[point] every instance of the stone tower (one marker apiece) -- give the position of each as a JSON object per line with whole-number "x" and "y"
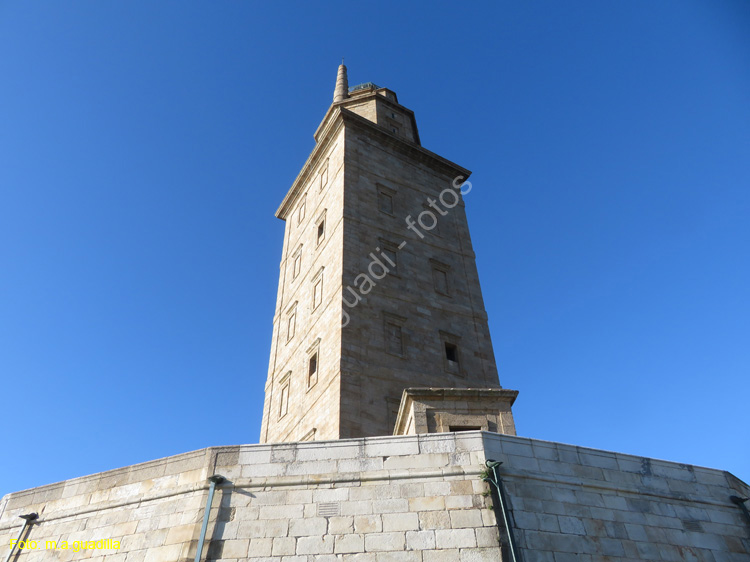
{"x": 378, "y": 287}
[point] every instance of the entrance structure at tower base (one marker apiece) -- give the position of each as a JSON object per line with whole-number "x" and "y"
{"x": 439, "y": 410}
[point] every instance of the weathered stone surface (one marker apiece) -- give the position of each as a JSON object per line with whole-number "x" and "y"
{"x": 315, "y": 545}
{"x": 375, "y": 542}
{"x": 284, "y": 546}
{"x": 349, "y": 544}
{"x": 455, "y": 538}
{"x": 400, "y": 522}
{"x": 420, "y": 540}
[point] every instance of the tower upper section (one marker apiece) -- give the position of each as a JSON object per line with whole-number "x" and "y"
{"x": 379, "y": 105}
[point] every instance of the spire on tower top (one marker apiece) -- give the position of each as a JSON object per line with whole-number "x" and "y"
{"x": 342, "y": 84}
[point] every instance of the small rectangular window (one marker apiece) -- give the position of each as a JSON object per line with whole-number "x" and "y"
{"x": 394, "y": 342}
{"x": 297, "y": 262}
{"x": 313, "y": 363}
{"x": 386, "y": 199}
{"x": 312, "y": 370}
{"x": 440, "y": 279}
{"x": 451, "y": 353}
{"x": 301, "y": 210}
{"x": 284, "y": 399}
{"x": 394, "y": 130}
{"x": 320, "y": 227}
{"x": 324, "y": 176}
{"x": 291, "y": 324}
{"x": 385, "y": 202}
{"x": 391, "y": 257}
{"x": 317, "y": 291}
{"x": 388, "y": 256}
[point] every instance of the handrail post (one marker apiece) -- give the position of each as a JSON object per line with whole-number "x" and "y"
{"x": 740, "y": 502}
{"x": 27, "y": 520}
{"x": 214, "y": 480}
{"x": 498, "y": 494}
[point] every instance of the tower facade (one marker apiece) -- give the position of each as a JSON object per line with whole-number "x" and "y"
{"x": 378, "y": 286}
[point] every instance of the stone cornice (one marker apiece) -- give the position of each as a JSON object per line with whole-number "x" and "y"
{"x": 475, "y": 393}
{"x": 338, "y": 116}
{"x": 414, "y": 150}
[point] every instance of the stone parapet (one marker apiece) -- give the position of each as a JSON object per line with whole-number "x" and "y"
{"x": 414, "y": 497}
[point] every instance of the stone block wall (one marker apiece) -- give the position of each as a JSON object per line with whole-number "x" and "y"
{"x": 575, "y": 504}
{"x": 414, "y": 498}
{"x": 153, "y": 509}
{"x": 410, "y": 498}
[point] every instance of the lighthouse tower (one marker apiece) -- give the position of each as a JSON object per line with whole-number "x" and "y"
{"x": 380, "y": 324}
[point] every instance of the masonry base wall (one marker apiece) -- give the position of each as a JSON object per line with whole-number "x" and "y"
{"x": 405, "y": 498}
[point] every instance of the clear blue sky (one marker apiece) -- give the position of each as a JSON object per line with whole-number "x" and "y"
{"x": 144, "y": 147}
